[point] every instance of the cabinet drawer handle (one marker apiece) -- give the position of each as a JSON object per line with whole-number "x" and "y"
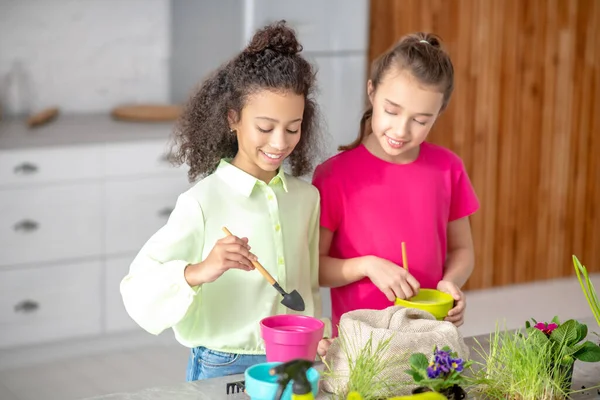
{"x": 26, "y": 169}
{"x": 26, "y": 226}
{"x": 27, "y": 306}
{"x": 165, "y": 212}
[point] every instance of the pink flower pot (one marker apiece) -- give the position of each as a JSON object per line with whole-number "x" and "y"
{"x": 289, "y": 337}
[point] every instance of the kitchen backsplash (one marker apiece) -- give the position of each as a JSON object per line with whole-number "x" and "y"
{"x": 83, "y": 55}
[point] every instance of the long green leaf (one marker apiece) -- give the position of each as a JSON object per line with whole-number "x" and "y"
{"x": 588, "y": 289}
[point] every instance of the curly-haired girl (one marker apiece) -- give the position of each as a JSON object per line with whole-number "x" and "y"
{"x": 253, "y": 113}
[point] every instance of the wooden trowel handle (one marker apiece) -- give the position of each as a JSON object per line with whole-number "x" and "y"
{"x": 264, "y": 272}
{"x": 256, "y": 264}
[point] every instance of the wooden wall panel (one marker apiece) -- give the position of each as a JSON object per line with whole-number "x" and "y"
{"x": 525, "y": 118}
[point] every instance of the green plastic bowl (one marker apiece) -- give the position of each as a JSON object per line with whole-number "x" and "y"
{"x": 433, "y": 301}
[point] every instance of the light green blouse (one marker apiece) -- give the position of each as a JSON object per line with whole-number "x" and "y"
{"x": 281, "y": 221}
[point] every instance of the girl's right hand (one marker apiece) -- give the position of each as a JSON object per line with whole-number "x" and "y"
{"x": 229, "y": 252}
{"x": 393, "y": 280}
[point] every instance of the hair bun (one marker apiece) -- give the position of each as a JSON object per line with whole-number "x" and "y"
{"x": 276, "y": 37}
{"x": 434, "y": 40}
{"x": 429, "y": 38}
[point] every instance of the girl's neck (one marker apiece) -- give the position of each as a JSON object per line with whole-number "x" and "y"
{"x": 249, "y": 167}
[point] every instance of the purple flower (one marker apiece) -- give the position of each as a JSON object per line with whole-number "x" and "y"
{"x": 443, "y": 364}
{"x": 458, "y": 364}
{"x": 433, "y": 371}
{"x": 441, "y": 356}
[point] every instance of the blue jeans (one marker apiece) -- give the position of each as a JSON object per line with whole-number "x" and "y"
{"x": 205, "y": 363}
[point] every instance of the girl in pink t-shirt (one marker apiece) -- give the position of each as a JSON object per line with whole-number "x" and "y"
{"x": 390, "y": 186}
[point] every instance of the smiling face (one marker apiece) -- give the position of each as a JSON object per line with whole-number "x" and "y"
{"x": 403, "y": 113}
{"x": 267, "y": 132}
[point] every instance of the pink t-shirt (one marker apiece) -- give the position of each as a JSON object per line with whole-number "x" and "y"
{"x": 372, "y": 206}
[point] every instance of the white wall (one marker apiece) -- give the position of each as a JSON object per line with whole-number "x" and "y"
{"x": 86, "y": 55}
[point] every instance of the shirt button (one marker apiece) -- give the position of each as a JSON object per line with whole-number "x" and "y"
{"x": 270, "y": 197}
{"x": 280, "y": 261}
{"x": 277, "y": 227}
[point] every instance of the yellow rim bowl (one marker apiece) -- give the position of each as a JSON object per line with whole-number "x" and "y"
{"x": 430, "y": 300}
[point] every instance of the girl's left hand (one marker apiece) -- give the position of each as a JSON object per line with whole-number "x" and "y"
{"x": 457, "y": 314}
{"x": 324, "y": 346}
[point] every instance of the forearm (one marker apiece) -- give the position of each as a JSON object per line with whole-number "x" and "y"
{"x": 459, "y": 266}
{"x": 335, "y": 272}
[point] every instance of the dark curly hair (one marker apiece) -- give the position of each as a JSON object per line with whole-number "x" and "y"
{"x": 271, "y": 61}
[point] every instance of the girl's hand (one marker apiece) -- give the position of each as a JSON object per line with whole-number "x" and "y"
{"x": 324, "y": 345}
{"x": 393, "y": 280}
{"x": 457, "y": 314}
{"x": 229, "y": 252}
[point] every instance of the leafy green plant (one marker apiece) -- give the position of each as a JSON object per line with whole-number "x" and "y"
{"x": 588, "y": 288}
{"x": 566, "y": 341}
{"x": 441, "y": 372}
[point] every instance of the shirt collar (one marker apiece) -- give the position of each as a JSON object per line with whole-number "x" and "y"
{"x": 242, "y": 181}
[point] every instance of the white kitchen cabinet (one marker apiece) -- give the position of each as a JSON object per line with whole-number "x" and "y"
{"x": 49, "y": 165}
{"x": 78, "y": 199}
{"x": 43, "y": 224}
{"x": 139, "y": 158}
{"x": 49, "y": 302}
{"x": 136, "y": 210}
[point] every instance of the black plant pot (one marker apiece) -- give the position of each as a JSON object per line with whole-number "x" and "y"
{"x": 453, "y": 393}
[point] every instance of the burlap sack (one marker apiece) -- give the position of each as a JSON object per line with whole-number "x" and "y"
{"x": 409, "y": 330}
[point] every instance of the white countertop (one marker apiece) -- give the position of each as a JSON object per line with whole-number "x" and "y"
{"x": 81, "y": 129}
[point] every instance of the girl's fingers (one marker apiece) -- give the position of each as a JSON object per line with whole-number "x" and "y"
{"x": 391, "y": 295}
{"x": 458, "y": 309}
{"x": 453, "y": 317}
{"x": 235, "y": 240}
{"x": 454, "y": 292}
{"x": 460, "y": 306}
{"x": 239, "y": 249}
{"x": 240, "y": 259}
{"x": 408, "y": 292}
{"x": 414, "y": 284}
{"x": 399, "y": 292}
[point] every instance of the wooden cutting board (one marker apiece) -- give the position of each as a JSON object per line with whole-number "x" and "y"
{"x": 147, "y": 113}
{"x": 42, "y": 117}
